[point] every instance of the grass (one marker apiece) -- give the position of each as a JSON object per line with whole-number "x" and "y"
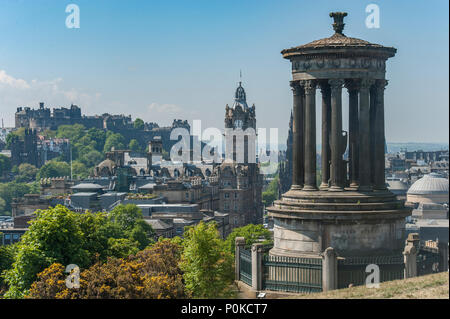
{"x": 433, "y": 286}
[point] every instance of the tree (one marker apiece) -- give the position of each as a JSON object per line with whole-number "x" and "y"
{"x": 54, "y": 169}
{"x": 271, "y": 193}
{"x": 5, "y": 165}
{"x": 115, "y": 140}
{"x": 138, "y": 124}
{"x": 152, "y": 274}
{"x": 7, "y": 253}
{"x": 26, "y": 173}
{"x": 14, "y": 136}
{"x": 98, "y": 136}
{"x": 252, "y": 234}
{"x": 134, "y": 146}
{"x": 9, "y": 191}
{"x": 91, "y": 158}
{"x": 130, "y": 219}
{"x": 72, "y": 132}
{"x": 206, "y": 263}
{"x": 79, "y": 170}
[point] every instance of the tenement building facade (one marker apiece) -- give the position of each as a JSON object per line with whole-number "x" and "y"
{"x": 351, "y": 210}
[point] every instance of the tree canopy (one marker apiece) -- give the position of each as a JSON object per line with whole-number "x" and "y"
{"x": 58, "y": 235}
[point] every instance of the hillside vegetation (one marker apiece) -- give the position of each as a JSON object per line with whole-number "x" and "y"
{"x": 433, "y": 286}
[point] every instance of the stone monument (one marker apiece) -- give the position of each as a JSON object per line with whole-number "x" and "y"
{"x": 351, "y": 210}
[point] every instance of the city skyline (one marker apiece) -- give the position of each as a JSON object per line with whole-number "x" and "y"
{"x": 157, "y": 61}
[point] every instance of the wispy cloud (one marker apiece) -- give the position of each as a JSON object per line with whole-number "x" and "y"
{"x": 16, "y": 92}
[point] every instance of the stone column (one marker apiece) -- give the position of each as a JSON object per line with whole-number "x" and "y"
{"x": 257, "y": 253}
{"x": 239, "y": 244}
{"x": 297, "y": 127}
{"x": 353, "y": 131}
{"x": 337, "y": 184}
{"x": 326, "y": 128}
{"x": 329, "y": 270}
{"x": 310, "y": 135}
{"x": 379, "y": 165}
{"x": 364, "y": 135}
{"x": 373, "y": 128}
{"x": 410, "y": 259}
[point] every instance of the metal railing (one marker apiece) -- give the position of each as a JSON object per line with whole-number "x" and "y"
{"x": 292, "y": 274}
{"x": 245, "y": 271}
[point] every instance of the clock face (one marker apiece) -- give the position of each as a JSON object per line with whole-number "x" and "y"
{"x": 238, "y": 123}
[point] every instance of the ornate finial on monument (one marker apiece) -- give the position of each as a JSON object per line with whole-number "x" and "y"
{"x": 338, "y": 24}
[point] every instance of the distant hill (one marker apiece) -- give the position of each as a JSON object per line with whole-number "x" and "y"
{"x": 411, "y": 146}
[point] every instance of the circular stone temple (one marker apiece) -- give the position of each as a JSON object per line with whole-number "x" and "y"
{"x": 351, "y": 210}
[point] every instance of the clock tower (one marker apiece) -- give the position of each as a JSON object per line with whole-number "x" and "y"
{"x": 240, "y": 129}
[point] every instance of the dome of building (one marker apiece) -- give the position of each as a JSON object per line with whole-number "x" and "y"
{"x": 430, "y": 188}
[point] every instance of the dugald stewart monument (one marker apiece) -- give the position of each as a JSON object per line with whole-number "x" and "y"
{"x": 351, "y": 211}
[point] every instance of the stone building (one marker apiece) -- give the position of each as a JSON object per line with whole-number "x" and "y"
{"x": 351, "y": 210}
{"x": 25, "y": 150}
{"x": 44, "y": 118}
{"x": 432, "y": 188}
{"x": 240, "y": 180}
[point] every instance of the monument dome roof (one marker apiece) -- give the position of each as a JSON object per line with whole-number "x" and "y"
{"x": 430, "y": 184}
{"x": 338, "y": 41}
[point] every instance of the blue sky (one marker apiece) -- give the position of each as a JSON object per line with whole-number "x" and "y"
{"x": 160, "y": 60}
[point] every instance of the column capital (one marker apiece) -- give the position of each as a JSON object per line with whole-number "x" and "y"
{"x": 296, "y": 88}
{"x": 381, "y": 84}
{"x": 365, "y": 84}
{"x": 336, "y": 84}
{"x": 309, "y": 86}
{"x": 352, "y": 85}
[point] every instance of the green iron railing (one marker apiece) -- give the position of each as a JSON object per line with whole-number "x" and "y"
{"x": 245, "y": 269}
{"x": 292, "y": 274}
{"x": 352, "y": 270}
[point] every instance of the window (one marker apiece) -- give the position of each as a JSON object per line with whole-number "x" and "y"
{"x": 226, "y": 206}
{"x": 235, "y": 195}
{"x": 226, "y": 195}
{"x": 187, "y": 195}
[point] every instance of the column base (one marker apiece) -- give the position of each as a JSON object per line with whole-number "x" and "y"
{"x": 335, "y": 188}
{"x": 309, "y": 188}
{"x": 365, "y": 188}
{"x": 323, "y": 186}
{"x": 296, "y": 187}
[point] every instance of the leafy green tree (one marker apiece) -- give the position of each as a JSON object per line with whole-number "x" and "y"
{"x": 79, "y": 170}
{"x": 134, "y": 146}
{"x": 72, "y": 132}
{"x": 206, "y": 263}
{"x": 252, "y": 234}
{"x": 98, "y": 136}
{"x": 3, "y": 207}
{"x": 9, "y": 191}
{"x": 271, "y": 193}
{"x": 58, "y": 235}
{"x": 5, "y": 165}
{"x": 138, "y": 124}
{"x": 129, "y": 218}
{"x": 54, "y": 236}
{"x": 91, "y": 158}
{"x": 115, "y": 140}
{"x": 26, "y": 173}
{"x": 54, "y": 169}
{"x": 14, "y": 136}
{"x": 7, "y": 253}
